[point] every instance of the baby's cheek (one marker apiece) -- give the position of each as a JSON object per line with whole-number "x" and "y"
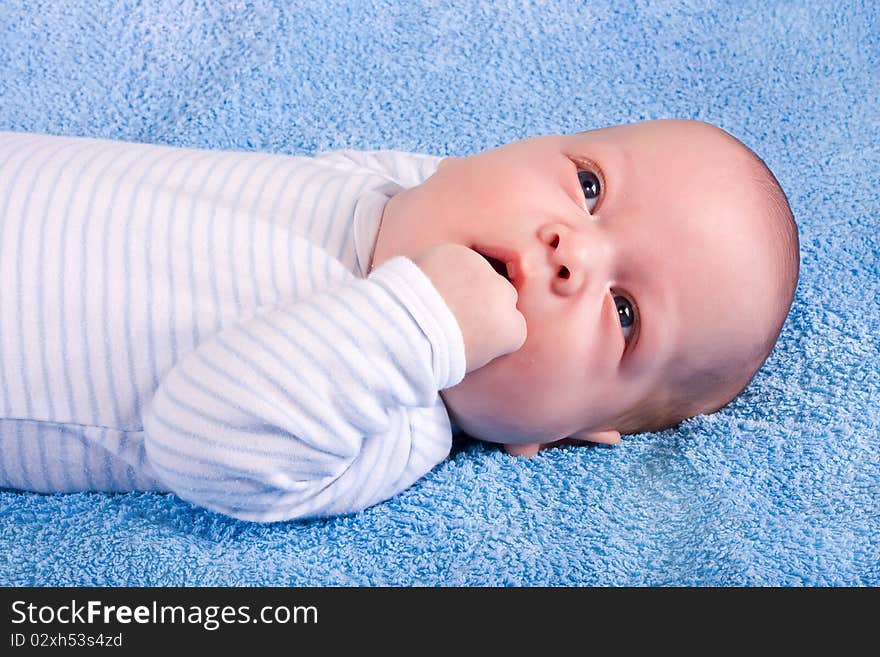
{"x": 549, "y": 360}
{"x": 588, "y": 356}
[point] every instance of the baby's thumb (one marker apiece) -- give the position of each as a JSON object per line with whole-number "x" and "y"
{"x": 521, "y": 331}
{"x": 507, "y": 336}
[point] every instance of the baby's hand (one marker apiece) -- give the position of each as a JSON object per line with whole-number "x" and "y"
{"x": 528, "y": 451}
{"x": 483, "y": 301}
{"x": 588, "y": 438}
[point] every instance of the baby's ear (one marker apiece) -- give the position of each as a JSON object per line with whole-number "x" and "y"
{"x": 603, "y": 437}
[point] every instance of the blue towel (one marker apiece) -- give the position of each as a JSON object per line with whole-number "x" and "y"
{"x": 780, "y": 488}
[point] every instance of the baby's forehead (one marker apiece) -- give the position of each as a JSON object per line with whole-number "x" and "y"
{"x": 669, "y": 147}
{"x": 692, "y": 180}
{"x": 671, "y": 130}
{"x": 723, "y": 277}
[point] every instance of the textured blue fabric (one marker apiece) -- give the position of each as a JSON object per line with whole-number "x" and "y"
{"x": 780, "y": 488}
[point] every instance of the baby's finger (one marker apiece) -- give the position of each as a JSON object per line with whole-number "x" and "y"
{"x": 521, "y": 330}
{"x": 526, "y": 451}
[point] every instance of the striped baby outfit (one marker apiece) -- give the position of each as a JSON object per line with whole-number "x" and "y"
{"x": 202, "y": 322}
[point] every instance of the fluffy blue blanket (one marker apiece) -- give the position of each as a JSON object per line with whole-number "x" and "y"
{"x": 780, "y": 488}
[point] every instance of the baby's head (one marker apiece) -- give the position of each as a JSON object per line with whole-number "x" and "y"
{"x": 655, "y": 265}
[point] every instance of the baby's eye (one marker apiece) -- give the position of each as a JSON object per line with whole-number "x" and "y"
{"x": 592, "y": 188}
{"x": 627, "y": 314}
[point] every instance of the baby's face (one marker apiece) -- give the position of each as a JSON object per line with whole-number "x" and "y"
{"x": 638, "y": 253}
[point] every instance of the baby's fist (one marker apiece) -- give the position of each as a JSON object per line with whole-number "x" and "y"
{"x": 483, "y": 301}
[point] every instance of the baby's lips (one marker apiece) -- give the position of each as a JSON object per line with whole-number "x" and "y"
{"x": 501, "y": 255}
{"x": 514, "y": 272}
{"x": 522, "y": 269}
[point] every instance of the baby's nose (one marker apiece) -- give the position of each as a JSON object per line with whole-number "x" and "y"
{"x": 573, "y": 260}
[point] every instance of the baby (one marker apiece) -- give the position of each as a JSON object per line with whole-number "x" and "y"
{"x": 276, "y": 337}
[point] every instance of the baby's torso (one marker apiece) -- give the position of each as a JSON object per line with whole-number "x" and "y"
{"x": 116, "y": 260}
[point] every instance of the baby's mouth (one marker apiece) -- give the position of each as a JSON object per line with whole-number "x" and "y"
{"x": 497, "y": 265}
{"x": 504, "y": 260}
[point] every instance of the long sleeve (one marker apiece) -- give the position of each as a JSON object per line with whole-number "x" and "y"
{"x": 325, "y": 405}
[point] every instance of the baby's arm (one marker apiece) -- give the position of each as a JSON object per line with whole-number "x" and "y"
{"x": 302, "y": 412}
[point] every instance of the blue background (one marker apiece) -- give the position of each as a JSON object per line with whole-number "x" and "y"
{"x": 780, "y": 488}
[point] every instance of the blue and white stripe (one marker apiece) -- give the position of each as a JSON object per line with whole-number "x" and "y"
{"x": 201, "y": 322}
